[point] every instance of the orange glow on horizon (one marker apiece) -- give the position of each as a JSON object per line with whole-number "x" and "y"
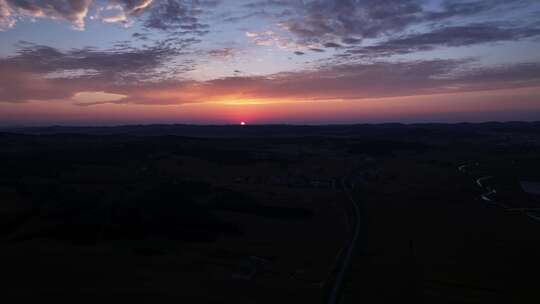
{"x": 441, "y": 107}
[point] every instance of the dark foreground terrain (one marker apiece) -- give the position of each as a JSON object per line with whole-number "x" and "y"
{"x": 272, "y": 214}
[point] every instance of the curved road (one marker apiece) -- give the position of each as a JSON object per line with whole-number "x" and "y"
{"x": 346, "y": 261}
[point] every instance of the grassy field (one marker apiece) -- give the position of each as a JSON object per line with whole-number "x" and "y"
{"x": 259, "y": 216}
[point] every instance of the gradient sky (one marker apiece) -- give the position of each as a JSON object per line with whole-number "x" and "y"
{"x": 85, "y": 62}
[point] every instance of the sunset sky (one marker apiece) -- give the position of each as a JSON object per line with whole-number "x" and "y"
{"x": 106, "y": 62}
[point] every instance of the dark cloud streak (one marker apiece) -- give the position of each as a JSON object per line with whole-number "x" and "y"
{"x": 27, "y": 75}
{"x": 127, "y": 72}
{"x": 453, "y": 36}
{"x": 352, "y": 21}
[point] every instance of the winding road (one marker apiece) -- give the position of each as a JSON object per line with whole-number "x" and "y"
{"x": 345, "y": 262}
